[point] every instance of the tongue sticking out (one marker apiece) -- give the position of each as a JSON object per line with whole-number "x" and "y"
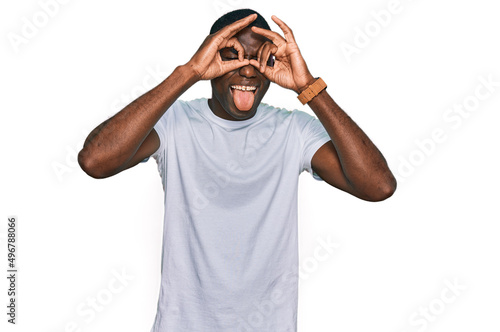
{"x": 243, "y": 99}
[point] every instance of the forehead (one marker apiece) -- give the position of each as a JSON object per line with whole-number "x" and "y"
{"x": 250, "y": 40}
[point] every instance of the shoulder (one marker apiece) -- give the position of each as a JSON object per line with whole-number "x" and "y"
{"x": 280, "y": 111}
{"x": 182, "y": 109}
{"x": 268, "y": 111}
{"x": 295, "y": 116}
{"x": 295, "y": 120}
{"x": 195, "y": 104}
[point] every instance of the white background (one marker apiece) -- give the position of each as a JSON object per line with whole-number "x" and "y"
{"x": 395, "y": 258}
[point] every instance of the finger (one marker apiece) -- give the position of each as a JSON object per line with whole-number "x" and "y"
{"x": 234, "y": 43}
{"x": 265, "y": 53}
{"x": 233, "y": 28}
{"x": 228, "y": 66}
{"x": 286, "y": 30}
{"x": 267, "y": 72}
{"x": 275, "y": 37}
{"x": 259, "y": 55}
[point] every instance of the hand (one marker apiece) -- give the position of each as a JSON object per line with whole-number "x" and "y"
{"x": 289, "y": 70}
{"x": 207, "y": 63}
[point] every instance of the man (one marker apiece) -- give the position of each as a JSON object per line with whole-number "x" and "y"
{"x": 229, "y": 167}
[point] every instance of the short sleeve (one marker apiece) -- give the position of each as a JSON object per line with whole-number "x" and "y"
{"x": 162, "y": 129}
{"x": 313, "y": 136}
{"x": 159, "y": 127}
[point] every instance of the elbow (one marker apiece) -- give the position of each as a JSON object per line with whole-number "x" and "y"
{"x": 386, "y": 192}
{"x": 383, "y": 190}
{"x": 376, "y": 190}
{"x": 90, "y": 165}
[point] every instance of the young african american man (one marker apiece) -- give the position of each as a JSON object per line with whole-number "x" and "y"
{"x": 229, "y": 167}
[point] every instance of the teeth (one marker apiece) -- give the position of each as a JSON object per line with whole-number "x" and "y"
{"x": 243, "y": 87}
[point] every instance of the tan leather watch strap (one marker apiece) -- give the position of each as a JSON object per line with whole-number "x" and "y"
{"x": 312, "y": 91}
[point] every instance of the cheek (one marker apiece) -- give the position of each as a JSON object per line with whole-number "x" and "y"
{"x": 223, "y": 94}
{"x": 265, "y": 87}
{"x": 218, "y": 88}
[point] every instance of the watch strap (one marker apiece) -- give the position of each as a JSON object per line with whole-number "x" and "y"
{"x": 312, "y": 91}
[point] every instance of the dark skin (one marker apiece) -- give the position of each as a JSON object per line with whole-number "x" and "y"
{"x": 222, "y": 103}
{"x": 350, "y": 161}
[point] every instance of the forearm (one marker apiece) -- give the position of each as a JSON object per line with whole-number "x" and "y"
{"x": 363, "y": 165}
{"x": 353, "y": 163}
{"x": 116, "y": 140}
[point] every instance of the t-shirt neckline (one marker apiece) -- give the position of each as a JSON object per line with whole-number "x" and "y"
{"x": 224, "y": 122}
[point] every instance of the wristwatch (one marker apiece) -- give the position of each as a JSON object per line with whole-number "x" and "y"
{"x": 312, "y": 91}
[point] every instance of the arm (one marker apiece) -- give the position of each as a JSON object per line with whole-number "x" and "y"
{"x": 350, "y": 161}
{"x": 128, "y": 137}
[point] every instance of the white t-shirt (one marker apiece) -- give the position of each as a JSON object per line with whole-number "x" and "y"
{"x": 230, "y": 251}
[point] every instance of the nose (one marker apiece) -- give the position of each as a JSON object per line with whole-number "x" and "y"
{"x": 249, "y": 70}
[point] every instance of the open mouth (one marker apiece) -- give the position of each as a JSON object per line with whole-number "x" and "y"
{"x": 243, "y": 96}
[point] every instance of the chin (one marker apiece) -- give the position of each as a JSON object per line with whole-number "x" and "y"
{"x": 238, "y": 114}
{"x": 241, "y": 115}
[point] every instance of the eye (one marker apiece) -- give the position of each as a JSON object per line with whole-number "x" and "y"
{"x": 270, "y": 61}
{"x": 228, "y": 54}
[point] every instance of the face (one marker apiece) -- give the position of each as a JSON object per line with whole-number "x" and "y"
{"x": 237, "y": 94}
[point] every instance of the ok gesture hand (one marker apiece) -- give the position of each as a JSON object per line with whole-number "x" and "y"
{"x": 207, "y": 62}
{"x": 290, "y": 70}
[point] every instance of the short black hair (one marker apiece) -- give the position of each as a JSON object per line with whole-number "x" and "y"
{"x": 236, "y": 15}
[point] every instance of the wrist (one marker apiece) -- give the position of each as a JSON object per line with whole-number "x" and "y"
{"x": 189, "y": 72}
{"x": 181, "y": 79}
{"x": 306, "y": 83}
